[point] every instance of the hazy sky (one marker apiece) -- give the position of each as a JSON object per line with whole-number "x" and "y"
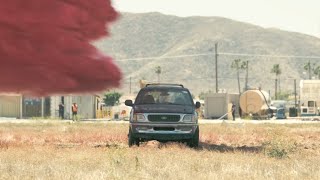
{"x": 292, "y": 15}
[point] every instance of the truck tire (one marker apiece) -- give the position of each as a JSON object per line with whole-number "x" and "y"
{"x": 194, "y": 141}
{"x": 132, "y": 140}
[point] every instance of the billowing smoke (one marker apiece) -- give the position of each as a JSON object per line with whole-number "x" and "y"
{"x": 45, "y": 46}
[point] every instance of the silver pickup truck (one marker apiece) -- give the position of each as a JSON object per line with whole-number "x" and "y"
{"x": 163, "y": 112}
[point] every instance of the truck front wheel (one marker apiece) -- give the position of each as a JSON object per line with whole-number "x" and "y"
{"x": 132, "y": 140}
{"x": 194, "y": 141}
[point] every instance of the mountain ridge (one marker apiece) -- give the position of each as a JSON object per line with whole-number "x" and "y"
{"x": 156, "y": 35}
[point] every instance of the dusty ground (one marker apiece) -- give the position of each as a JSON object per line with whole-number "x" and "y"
{"x": 51, "y": 150}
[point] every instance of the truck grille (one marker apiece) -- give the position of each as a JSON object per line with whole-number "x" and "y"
{"x": 164, "y": 128}
{"x": 164, "y": 118}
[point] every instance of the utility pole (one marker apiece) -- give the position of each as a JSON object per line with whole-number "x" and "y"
{"x": 216, "y": 62}
{"x": 21, "y": 106}
{"x": 275, "y": 92}
{"x": 130, "y": 85}
{"x": 246, "y": 84}
{"x": 42, "y": 106}
{"x": 295, "y": 94}
{"x": 309, "y": 68}
{"x": 279, "y": 85}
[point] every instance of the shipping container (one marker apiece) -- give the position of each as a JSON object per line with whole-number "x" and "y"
{"x": 218, "y": 105}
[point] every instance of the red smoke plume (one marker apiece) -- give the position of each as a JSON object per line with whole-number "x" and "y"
{"x": 45, "y": 46}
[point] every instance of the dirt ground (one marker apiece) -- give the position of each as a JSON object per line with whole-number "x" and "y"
{"x": 99, "y": 150}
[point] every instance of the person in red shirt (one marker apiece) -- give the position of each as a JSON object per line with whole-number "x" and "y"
{"x": 74, "y": 109}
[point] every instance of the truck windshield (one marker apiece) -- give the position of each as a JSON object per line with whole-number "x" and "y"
{"x": 164, "y": 96}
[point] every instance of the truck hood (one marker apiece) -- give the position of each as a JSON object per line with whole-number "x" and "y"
{"x": 151, "y": 108}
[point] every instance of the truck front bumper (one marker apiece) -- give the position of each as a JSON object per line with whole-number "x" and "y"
{"x": 152, "y": 131}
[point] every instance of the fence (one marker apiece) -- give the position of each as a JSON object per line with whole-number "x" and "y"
{"x": 112, "y": 113}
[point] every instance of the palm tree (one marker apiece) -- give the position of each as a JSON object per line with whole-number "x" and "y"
{"x": 158, "y": 72}
{"x": 316, "y": 71}
{"x": 238, "y": 65}
{"x": 309, "y": 67}
{"x": 245, "y": 65}
{"x": 277, "y": 71}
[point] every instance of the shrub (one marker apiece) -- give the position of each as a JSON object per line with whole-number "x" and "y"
{"x": 278, "y": 145}
{"x": 110, "y": 99}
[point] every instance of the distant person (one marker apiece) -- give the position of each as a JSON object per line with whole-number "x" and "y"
{"x": 233, "y": 111}
{"x": 61, "y": 111}
{"x": 74, "y": 109}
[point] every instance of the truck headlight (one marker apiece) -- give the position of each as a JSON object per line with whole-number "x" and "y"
{"x": 139, "y": 118}
{"x": 188, "y": 118}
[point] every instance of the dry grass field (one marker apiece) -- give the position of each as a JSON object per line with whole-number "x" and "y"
{"x": 100, "y": 151}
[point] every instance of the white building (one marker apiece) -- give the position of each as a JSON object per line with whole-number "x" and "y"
{"x": 87, "y": 106}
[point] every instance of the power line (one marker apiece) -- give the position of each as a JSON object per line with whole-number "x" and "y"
{"x": 222, "y": 53}
{"x": 268, "y": 55}
{"x": 166, "y": 57}
{"x": 127, "y": 81}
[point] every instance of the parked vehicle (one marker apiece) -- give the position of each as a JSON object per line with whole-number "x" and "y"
{"x": 163, "y": 112}
{"x": 281, "y": 113}
{"x": 309, "y": 97}
{"x": 310, "y": 109}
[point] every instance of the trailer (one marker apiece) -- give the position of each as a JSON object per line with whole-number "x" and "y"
{"x": 309, "y": 97}
{"x": 255, "y": 103}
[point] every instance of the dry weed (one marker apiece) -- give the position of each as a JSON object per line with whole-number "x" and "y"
{"x": 100, "y": 151}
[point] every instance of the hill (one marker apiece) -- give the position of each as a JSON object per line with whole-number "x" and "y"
{"x": 159, "y": 36}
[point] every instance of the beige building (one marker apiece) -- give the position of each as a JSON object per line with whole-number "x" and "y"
{"x": 18, "y": 106}
{"x": 11, "y": 105}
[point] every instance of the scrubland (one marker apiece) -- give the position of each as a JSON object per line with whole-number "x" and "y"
{"x": 100, "y": 151}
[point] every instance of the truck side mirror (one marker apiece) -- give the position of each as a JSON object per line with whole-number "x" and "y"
{"x": 198, "y": 105}
{"x": 128, "y": 103}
